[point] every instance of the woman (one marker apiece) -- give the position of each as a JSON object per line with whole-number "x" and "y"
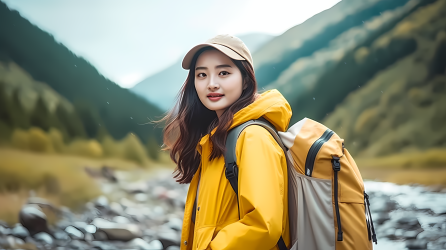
{"x": 220, "y": 93}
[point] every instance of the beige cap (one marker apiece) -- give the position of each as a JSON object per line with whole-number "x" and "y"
{"x": 228, "y": 44}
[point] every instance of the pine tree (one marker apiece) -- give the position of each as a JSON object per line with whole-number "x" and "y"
{"x": 70, "y": 123}
{"x": 41, "y": 116}
{"x": 19, "y": 116}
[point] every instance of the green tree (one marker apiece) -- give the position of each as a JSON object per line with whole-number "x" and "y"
{"x": 89, "y": 117}
{"x": 70, "y": 123}
{"x": 19, "y": 117}
{"x": 41, "y": 116}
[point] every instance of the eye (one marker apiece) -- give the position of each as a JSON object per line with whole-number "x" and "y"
{"x": 199, "y": 74}
{"x": 225, "y": 72}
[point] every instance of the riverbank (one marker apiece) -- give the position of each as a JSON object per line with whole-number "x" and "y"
{"x": 64, "y": 180}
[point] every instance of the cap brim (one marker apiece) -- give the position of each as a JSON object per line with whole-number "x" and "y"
{"x": 229, "y": 52}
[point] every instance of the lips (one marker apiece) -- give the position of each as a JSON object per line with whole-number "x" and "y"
{"x": 215, "y": 96}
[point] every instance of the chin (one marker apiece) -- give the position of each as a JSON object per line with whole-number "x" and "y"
{"x": 215, "y": 107}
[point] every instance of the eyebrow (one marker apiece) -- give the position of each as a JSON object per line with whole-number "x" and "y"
{"x": 218, "y": 66}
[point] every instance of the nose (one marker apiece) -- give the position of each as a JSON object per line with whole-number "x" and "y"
{"x": 213, "y": 85}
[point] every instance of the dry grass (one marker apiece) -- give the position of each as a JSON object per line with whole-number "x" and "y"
{"x": 432, "y": 158}
{"x": 426, "y": 168}
{"x": 61, "y": 179}
{"x": 428, "y": 177}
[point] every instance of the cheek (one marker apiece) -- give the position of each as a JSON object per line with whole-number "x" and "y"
{"x": 199, "y": 88}
{"x": 236, "y": 87}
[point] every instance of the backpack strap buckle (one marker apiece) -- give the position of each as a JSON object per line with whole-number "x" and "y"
{"x": 231, "y": 170}
{"x": 336, "y": 164}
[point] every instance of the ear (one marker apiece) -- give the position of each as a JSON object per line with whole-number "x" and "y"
{"x": 244, "y": 85}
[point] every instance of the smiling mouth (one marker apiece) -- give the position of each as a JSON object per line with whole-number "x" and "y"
{"x": 215, "y": 95}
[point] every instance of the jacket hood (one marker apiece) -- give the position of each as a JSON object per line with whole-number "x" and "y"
{"x": 271, "y": 105}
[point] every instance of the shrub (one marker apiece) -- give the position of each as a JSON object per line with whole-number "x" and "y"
{"x": 111, "y": 147}
{"x": 39, "y": 141}
{"x": 56, "y": 138}
{"x": 153, "y": 148}
{"x": 19, "y": 139}
{"x": 88, "y": 148}
{"x": 133, "y": 149}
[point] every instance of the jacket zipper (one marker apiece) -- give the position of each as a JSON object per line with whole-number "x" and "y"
{"x": 314, "y": 149}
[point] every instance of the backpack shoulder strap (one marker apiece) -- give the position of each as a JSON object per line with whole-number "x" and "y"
{"x": 231, "y": 169}
{"x": 231, "y": 139}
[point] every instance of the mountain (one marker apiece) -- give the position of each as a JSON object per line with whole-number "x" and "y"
{"x": 25, "y": 102}
{"x": 162, "y": 87}
{"x": 316, "y": 83}
{"x": 101, "y": 104}
{"x": 314, "y": 34}
{"x": 402, "y": 108}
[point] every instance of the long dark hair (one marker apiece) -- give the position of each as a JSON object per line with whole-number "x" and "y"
{"x": 189, "y": 120}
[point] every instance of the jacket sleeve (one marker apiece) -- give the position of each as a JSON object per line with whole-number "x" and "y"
{"x": 261, "y": 190}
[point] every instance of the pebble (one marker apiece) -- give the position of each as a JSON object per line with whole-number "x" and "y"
{"x": 44, "y": 238}
{"x": 74, "y": 233}
{"x": 20, "y": 231}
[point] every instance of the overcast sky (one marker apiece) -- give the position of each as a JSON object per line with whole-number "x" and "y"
{"x": 128, "y": 40}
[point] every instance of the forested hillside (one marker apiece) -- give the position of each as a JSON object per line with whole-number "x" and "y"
{"x": 403, "y": 107}
{"x": 98, "y": 103}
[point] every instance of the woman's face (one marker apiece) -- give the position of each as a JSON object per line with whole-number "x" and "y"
{"x": 218, "y": 81}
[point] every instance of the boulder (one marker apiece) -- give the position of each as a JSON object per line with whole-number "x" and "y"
{"x": 117, "y": 231}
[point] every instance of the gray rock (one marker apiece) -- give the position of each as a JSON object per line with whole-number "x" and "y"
{"x": 101, "y": 202}
{"x": 411, "y": 234}
{"x": 408, "y": 223}
{"x": 139, "y": 243}
{"x": 44, "y": 238}
{"x": 141, "y": 197}
{"x": 116, "y": 208}
{"x": 4, "y": 230}
{"x": 416, "y": 244}
{"x": 175, "y": 223}
{"x": 33, "y": 219}
{"x": 109, "y": 174}
{"x": 100, "y": 235}
{"x": 381, "y": 218}
{"x": 441, "y": 240}
{"x": 115, "y": 231}
{"x": 102, "y": 245}
{"x": 80, "y": 225}
{"x": 30, "y": 240}
{"x": 11, "y": 242}
{"x": 20, "y": 232}
{"x": 168, "y": 236}
{"x": 384, "y": 204}
{"x": 121, "y": 219}
{"x": 430, "y": 235}
{"x": 173, "y": 248}
{"x": 88, "y": 237}
{"x": 399, "y": 232}
{"x": 76, "y": 244}
{"x": 61, "y": 235}
{"x": 74, "y": 233}
{"x": 156, "y": 244}
{"x": 389, "y": 233}
{"x": 90, "y": 229}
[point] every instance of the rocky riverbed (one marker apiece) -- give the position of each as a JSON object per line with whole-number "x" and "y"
{"x": 147, "y": 214}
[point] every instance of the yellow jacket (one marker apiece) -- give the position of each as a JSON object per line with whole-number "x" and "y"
{"x": 262, "y": 185}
